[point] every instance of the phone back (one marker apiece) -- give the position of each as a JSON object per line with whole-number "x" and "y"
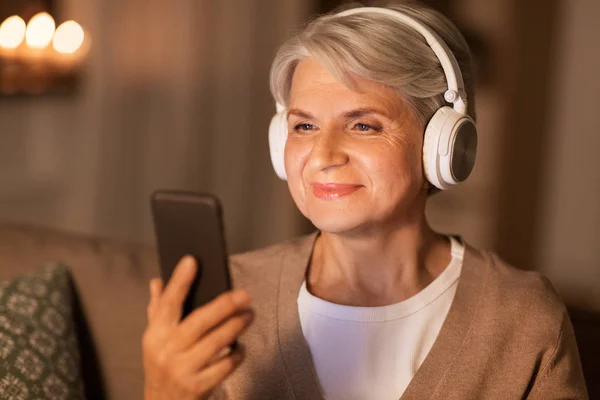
{"x": 187, "y": 223}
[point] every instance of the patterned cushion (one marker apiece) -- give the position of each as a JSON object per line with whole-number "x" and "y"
{"x": 39, "y": 354}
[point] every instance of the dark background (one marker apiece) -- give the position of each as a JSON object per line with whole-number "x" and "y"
{"x": 26, "y": 8}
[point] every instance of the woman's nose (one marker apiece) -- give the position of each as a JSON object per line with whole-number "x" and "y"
{"x": 327, "y": 150}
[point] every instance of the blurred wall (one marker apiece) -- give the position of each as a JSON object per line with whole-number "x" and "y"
{"x": 470, "y": 209}
{"x": 175, "y": 95}
{"x": 534, "y": 196}
{"x": 569, "y": 228}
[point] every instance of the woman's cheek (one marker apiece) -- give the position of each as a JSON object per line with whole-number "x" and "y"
{"x": 290, "y": 160}
{"x": 394, "y": 167}
{"x": 295, "y": 157}
{"x": 293, "y": 168}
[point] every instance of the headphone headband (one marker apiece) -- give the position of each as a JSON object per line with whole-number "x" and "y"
{"x": 456, "y": 93}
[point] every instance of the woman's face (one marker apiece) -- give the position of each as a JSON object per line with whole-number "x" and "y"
{"x": 353, "y": 156}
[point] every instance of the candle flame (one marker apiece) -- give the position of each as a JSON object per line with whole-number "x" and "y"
{"x": 12, "y": 32}
{"x": 40, "y": 30}
{"x": 68, "y": 37}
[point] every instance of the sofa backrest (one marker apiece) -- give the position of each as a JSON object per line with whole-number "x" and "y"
{"x": 111, "y": 283}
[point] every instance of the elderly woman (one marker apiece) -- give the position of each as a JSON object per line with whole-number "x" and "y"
{"x": 375, "y": 111}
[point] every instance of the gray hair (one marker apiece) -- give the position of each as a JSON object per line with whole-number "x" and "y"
{"x": 382, "y": 49}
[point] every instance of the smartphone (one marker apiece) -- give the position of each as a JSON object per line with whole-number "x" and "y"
{"x": 187, "y": 223}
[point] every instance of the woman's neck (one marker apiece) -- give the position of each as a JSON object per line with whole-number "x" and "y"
{"x": 378, "y": 267}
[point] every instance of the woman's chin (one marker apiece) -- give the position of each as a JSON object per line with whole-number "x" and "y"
{"x": 335, "y": 222}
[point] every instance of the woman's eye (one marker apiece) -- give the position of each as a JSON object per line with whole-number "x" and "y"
{"x": 366, "y": 127}
{"x": 304, "y": 127}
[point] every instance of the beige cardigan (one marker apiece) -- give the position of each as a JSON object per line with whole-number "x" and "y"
{"x": 507, "y": 334}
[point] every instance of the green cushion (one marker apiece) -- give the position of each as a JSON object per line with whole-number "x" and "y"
{"x": 39, "y": 353}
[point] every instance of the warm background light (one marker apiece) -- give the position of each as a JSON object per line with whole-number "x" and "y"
{"x": 12, "y": 32}
{"x": 68, "y": 37}
{"x": 40, "y": 30}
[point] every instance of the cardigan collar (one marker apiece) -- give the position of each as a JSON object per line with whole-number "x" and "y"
{"x": 447, "y": 347}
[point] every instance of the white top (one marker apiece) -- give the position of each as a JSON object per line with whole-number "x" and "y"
{"x": 373, "y": 352}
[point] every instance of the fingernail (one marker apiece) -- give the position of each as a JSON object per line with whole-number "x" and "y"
{"x": 241, "y": 297}
{"x": 189, "y": 263}
{"x": 154, "y": 286}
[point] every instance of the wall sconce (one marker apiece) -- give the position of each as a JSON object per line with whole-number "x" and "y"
{"x": 37, "y": 57}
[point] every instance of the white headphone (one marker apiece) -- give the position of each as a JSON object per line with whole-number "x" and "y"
{"x": 450, "y": 141}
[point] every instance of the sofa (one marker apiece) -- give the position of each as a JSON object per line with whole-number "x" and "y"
{"x": 110, "y": 294}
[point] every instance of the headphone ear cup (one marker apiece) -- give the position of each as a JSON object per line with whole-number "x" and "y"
{"x": 431, "y": 141}
{"x": 449, "y": 148}
{"x": 278, "y": 132}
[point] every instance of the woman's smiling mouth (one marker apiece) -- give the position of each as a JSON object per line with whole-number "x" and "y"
{"x": 330, "y": 191}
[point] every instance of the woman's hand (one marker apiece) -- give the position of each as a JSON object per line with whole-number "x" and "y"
{"x": 186, "y": 359}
